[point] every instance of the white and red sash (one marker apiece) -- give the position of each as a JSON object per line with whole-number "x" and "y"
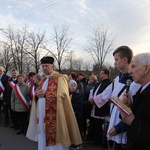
{"x": 2, "y": 88}
{"x": 32, "y": 90}
{"x": 20, "y": 96}
{"x": 11, "y": 83}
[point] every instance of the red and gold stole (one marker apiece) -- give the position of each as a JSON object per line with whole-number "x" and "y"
{"x": 50, "y": 109}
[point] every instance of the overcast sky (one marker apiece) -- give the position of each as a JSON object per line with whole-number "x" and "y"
{"x": 128, "y": 20}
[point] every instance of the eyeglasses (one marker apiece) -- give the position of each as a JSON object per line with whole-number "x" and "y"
{"x": 101, "y": 73}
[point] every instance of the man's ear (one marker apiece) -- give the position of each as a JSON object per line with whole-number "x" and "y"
{"x": 147, "y": 69}
{"x": 53, "y": 66}
{"x": 125, "y": 59}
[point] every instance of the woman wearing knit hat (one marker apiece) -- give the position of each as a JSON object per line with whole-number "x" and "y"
{"x": 74, "y": 76}
{"x": 77, "y": 104}
{"x": 37, "y": 78}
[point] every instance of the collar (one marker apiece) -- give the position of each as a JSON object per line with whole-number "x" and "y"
{"x": 14, "y": 79}
{"x": 144, "y": 87}
{"x": 47, "y": 76}
{"x": 123, "y": 77}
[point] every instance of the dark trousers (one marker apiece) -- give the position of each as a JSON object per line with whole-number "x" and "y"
{"x": 8, "y": 114}
{"x": 1, "y": 105}
{"x": 84, "y": 121}
{"x": 80, "y": 124}
{"x": 118, "y": 146}
{"x": 21, "y": 120}
{"x": 95, "y": 132}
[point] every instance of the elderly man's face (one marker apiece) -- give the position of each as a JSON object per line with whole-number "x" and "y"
{"x": 137, "y": 71}
{"x": 47, "y": 68}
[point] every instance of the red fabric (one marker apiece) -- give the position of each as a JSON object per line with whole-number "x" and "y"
{"x": 51, "y": 112}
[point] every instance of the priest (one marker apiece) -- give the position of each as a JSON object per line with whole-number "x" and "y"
{"x": 56, "y": 127}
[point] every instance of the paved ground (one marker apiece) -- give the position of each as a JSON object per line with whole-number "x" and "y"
{"x": 9, "y": 140}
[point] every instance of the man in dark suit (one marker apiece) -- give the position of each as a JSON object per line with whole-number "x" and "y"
{"x": 138, "y": 121}
{"x": 3, "y": 81}
{"x": 11, "y": 82}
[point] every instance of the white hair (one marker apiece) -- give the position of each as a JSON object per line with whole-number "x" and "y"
{"x": 144, "y": 58}
{"x": 1, "y": 68}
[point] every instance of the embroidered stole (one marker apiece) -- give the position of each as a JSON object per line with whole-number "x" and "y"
{"x": 50, "y": 110}
{"x": 21, "y": 96}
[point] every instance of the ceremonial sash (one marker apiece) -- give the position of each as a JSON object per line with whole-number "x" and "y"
{"x": 32, "y": 90}
{"x": 11, "y": 83}
{"x": 21, "y": 97}
{"x": 30, "y": 82}
{"x": 2, "y": 88}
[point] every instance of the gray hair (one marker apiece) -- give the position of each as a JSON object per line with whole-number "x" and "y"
{"x": 143, "y": 58}
{"x": 1, "y": 68}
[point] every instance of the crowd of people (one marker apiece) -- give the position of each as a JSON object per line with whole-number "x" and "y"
{"x": 58, "y": 110}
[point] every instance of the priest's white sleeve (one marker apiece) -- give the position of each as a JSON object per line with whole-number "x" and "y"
{"x": 91, "y": 94}
{"x": 102, "y": 98}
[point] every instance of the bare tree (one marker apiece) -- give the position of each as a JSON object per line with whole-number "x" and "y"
{"x": 78, "y": 64}
{"x": 9, "y": 41}
{"x": 35, "y": 47}
{"x": 100, "y": 44}
{"x": 70, "y": 62}
{"x": 20, "y": 46}
{"x": 62, "y": 39}
{"x": 24, "y": 47}
{"x": 87, "y": 66}
{"x": 15, "y": 41}
{"x": 6, "y": 57}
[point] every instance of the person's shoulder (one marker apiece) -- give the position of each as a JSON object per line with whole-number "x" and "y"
{"x": 97, "y": 83}
{"x": 6, "y": 76}
{"x": 77, "y": 91}
{"x": 116, "y": 79}
{"x": 25, "y": 84}
{"x": 108, "y": 80}
{"x": 57, "y": 75}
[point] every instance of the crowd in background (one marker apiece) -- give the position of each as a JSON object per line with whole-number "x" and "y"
{"x": 89, "y": 99}
{"x": 17, "y": 113}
